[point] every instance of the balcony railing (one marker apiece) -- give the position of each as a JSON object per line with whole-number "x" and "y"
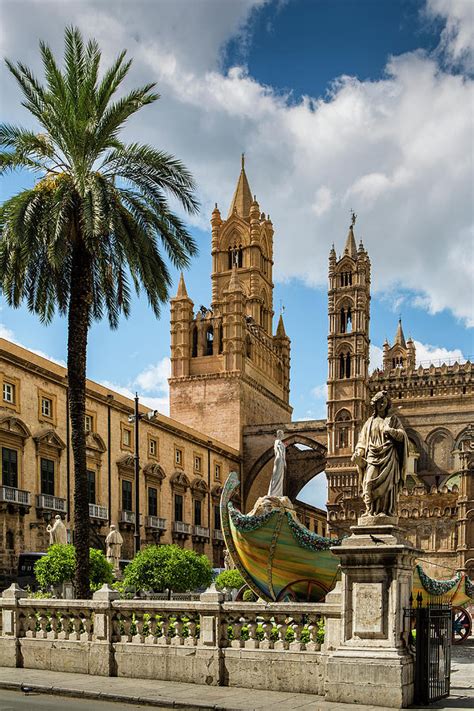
{"x": 201, "y": 531}
{"x": 11, "y": 495}
{"x": 155, "y": 522}
{"x": 99, "y": 512}
{"x": 127, "y": 517}
{"x": 217, "y": 535}
{"x": 181, "y": 527}
{"x": 53, "y": 503}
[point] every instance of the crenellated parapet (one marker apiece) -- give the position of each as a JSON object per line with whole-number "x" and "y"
{"x": 443, "y": 380}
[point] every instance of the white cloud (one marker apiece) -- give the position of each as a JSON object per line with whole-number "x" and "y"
{"x": 397, "y": 149}
{"x": 457, "y": 38}
{"x": 320, "y": 392}
{"x": 375, "y": 357}
{"x": 151, "y": 385}
{"x": 426, "y": 354}
{"x": 9, "y": 335}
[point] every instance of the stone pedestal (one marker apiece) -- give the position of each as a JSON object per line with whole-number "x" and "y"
{"x": 371, "y": 664}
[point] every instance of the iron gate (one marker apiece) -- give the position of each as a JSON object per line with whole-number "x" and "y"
{"x": 430, "y": 640}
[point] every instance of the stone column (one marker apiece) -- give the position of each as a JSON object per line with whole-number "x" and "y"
{"x": 371, "y": 664}
{"x": 101, "y": 651}
{"x": 10, "y": 655}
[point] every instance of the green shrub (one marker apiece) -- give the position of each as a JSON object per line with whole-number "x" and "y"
{"x": 168, "y": 567}
{"x": 230, "y": 579}
{"x": 58, "y": 565}
{"x": 249, "y": 596}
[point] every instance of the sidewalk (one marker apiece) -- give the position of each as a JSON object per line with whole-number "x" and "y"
{"x": 196, "y": 697}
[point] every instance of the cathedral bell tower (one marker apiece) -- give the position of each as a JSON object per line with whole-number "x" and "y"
{"x": 348, "y": 361}
{"x": 228, "y": 369}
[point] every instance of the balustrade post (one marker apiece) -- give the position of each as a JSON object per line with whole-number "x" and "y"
{"x": 210, "y": 622}
{"x": 102, "y": 657}
{"x": 10, "y": 654}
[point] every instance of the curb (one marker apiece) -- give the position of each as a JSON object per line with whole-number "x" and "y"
{"x": 104, "y": 696}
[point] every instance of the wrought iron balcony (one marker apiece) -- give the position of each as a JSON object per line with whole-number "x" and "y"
{"x": 201, "y": 531}
{"x": 155, "y": 522}
{"x": 217, "y": 535}
{"x": 181, "y": 527}
{"x": 51, "y": 503}
{"x": 98, "y": 512}
{"x": 11, "y": 495}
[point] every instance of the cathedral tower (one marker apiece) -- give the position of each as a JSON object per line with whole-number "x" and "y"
{"x": 228, "y": 369}
{"x": 401, "y": 354}
{"x": 348, "y": 360}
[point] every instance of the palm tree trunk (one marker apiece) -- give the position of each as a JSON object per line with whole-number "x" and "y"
{"x": 78, "y": 326}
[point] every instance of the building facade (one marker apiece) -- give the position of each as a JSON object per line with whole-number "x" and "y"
{"x": 435, "y": 404}
{"x": 229, "y": 393}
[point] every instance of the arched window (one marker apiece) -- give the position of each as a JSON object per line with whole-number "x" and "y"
{"x": 230, "y": 255}
{"x": 194, "y": 341}
{"x": 219, "y": 339}
{"x": 344, "y": 365}
{"x": 235, "y": 256}
{"x": 342, "y": 429}
{"x": 209, "y": 340}
{"x": 346, "y": 278}
{"x": 345, "y": 319}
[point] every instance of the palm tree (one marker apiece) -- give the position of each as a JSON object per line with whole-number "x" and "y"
{"x": 97, "y": 219}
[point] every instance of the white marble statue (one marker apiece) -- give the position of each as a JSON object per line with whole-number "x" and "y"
{"x": 57, "y": 532}
{"x": 114, "y": 542}
{"x": 381, "y": 456}
{"x": 279, "y": 467}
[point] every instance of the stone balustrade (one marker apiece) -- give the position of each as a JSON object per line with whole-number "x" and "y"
{"x": 267, "y": 646}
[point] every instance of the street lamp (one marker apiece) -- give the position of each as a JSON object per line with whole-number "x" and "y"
{"x": 135, "y": 418}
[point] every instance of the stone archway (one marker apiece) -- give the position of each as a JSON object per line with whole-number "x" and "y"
{"x": 306, "y": 457}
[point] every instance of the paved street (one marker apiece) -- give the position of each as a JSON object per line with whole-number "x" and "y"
{"x": 89, "y": 693}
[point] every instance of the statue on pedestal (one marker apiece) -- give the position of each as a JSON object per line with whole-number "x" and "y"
{"x": 381, "y": 455}
{"x": 114, "y": 542}
{"x": 279, "y": 466}
{"x": 57, "y": 532}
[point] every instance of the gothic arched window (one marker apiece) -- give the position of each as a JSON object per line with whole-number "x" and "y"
{"x": 345, "y": 365}
{"x": 343, "y": 418}
{"x": 345, "y": 319}
{"x": 194, "y": 342}
{"x": 209, "y": 340}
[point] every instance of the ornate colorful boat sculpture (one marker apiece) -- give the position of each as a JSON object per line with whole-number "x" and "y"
{"x": 278, "y": 557}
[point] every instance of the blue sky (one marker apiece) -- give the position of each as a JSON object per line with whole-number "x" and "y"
{"x": 338, "y": 104}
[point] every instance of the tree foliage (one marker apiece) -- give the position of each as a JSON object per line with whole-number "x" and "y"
{"x": 58, "y": 566}
{"x": 230, "y": 579}
{"x": 168, "y": 567}
{"x": 97, "y": 222}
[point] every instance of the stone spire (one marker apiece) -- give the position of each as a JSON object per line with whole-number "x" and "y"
{"x": 280, "y": 332}
{"x": 399, "y": 337}
{"x": 351, "y": 247}
{"x": 242, "y": 200}
{"x": 181, "y": 288}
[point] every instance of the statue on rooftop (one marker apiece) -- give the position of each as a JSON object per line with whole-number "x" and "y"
{"x": 381, "y": 456}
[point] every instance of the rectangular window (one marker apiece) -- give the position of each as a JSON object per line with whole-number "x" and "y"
{"x": 88, "y": 423}
{"x": 47, "y": 476}
{"x": 153, "y": 447}
{"x": 127, "y": 495}
{"x": 197, "y": 512}
{"x": 8, "y": 392}
{"x": 152, "y": 501}
{"x": 217, "y": 472}
{"x": 178, "y": 456}
{"x": 46, "y": 407}
{"x": 91, "y": 486}
{"x": 197, "y": 463}
{"x": 178, "y": 507}
{"x": 217, "y": 518}
{"x": 10, "y": 467}
{"x": 126, "y": 437}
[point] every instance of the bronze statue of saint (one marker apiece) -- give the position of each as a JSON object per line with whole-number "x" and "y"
{"x": 381, "y": 456}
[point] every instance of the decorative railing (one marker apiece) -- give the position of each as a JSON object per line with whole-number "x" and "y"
{"x": 243, "y": 634}
{"x": 181, "y": 527}
{"x": 126, "y": 517}
{"x": 155, "y": 522}
{"x": 11, "y": 495}
{"x": 99, "y": 512}
{"x": 201, "y": 531}
{"x": 53, "y": 503}
{"x": 217, "y": 535}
